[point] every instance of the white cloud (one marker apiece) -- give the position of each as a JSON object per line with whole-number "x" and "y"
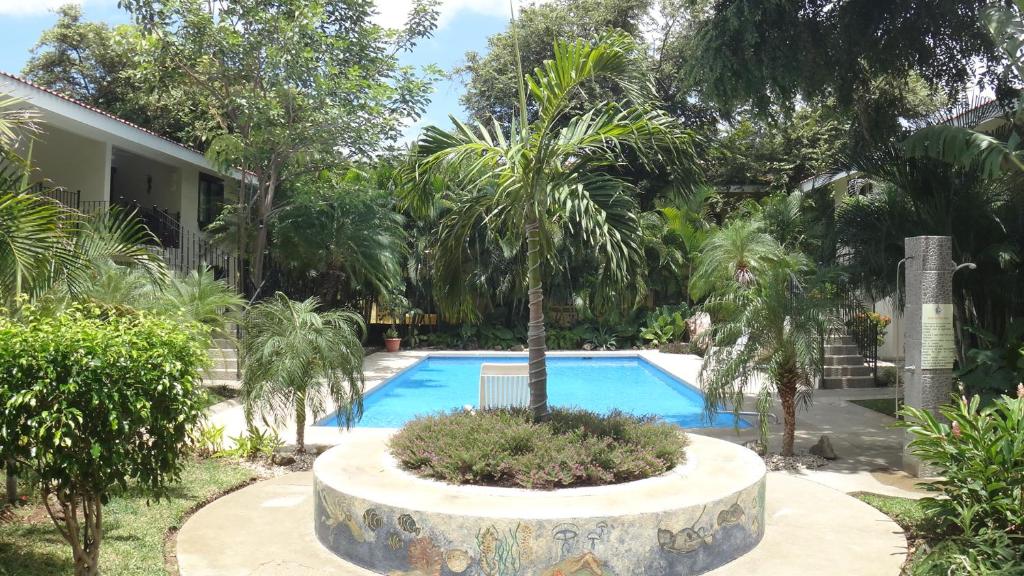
{"x": 392, "y": 13}
{"x": 32, "y": 7}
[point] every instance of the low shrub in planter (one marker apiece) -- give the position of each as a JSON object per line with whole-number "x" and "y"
{"x": 979, "y": 456}
{"x": 505, "y": 448}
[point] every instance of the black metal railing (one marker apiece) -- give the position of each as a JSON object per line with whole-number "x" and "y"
{"x": 69, "y": 198}
{"x": 183, "y": 249}
{"x": 862, "y": 329}
{"x": 164, "y": 224}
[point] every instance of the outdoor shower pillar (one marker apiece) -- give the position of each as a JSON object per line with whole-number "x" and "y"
{"x": 929, "y": 349}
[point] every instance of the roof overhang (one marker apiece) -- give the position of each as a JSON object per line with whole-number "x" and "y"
{"x": 78, "y": 118}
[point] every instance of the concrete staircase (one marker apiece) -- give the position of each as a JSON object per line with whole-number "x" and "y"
{"x": 844, "y": 366}
{"x": 224, "y": 368}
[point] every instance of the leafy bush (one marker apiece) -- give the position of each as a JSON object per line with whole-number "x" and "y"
{"x": 568, "y": 338}
{"x": 505, "y": 448}
{"x": 865, "y": 324}
{"x": 93, "y": 399}
{"x": 980, "y": 459}
{"x": 603, "y": 338}
{"x": 255, "y": 444}
{"x": 998, "y": 365}
{"x": 665, "y": 325}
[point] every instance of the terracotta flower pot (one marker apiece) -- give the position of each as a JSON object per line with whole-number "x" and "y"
{"x": 392, "y": 344}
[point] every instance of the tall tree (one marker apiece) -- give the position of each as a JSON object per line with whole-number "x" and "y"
{"x": 292, "y": 85}
{"x": 864, "y": 54}
{"x": 109, "y": 67}
{"x": 546, "y": 177}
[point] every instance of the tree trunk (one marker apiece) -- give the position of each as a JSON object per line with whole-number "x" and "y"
{"x": 787, "y": 393}
{"x": 10, "y": 467}
{"x": 263, "y": 208}
{"x": 535, "y": 337}
{"x": 82, "y": 529}
{"x": 300, "y": 422}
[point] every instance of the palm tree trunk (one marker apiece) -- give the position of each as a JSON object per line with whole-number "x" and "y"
{"x": 300, "y": 422}
{"x": 787, "y": 394}
{"x": 535, "y": 338}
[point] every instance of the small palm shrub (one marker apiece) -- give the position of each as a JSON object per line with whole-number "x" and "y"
{"x": 505, "y": 448}
{"x": 296, "y": 358}
{"x": 979, "y": 456}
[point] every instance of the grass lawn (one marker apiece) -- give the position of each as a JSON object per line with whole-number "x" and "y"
{"x": 218, "y": 394}
{"x": 883, "y": 405}
{"x": 133, "y": 543}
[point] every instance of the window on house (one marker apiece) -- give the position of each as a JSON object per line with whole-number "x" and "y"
{"x": 211, "y": 199}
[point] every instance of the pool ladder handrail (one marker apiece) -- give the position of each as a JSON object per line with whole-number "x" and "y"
{"x": 771, "y": 415}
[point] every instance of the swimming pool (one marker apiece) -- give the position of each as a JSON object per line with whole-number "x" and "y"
{"x": 601, "y": 384}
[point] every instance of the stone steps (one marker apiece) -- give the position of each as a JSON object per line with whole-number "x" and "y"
{"x": 845, "y": 382}
{"x": 844, "y": 366}
{"x": 223, "y": 363}
{"x": 846, "y": 371}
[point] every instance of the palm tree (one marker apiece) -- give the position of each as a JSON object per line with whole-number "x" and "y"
{"x": 295, "y": 358}
{"x": 551, "y": 176}
{"x": 956, "y": 139}
{"x": 768, "y": 325}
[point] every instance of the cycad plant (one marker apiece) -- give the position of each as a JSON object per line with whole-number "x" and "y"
{"x": 296, "y": 358}
{"x": 769, "y": 324}
{"x": 530, "y": 182}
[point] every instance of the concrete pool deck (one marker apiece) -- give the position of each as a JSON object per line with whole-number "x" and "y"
{"x": 812, "y": 526}
{"x": 869, "y": 449}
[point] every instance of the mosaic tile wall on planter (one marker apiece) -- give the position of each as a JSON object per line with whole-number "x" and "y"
{"x": 401, "y": 542}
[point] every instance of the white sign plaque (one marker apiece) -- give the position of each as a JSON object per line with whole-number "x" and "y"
{"x": 938, "y": 348}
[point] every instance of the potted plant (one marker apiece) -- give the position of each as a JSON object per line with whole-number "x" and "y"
{"x": 392, "y": 342}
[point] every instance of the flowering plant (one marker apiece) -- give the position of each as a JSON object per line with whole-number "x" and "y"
{"x": 979, "y": 459}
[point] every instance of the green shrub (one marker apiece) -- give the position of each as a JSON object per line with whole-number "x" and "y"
{"x": 665, "y": 325}
{"x": 504, "y": 448}
{"x": 996, "y": 366}
{"x": 979, "y": 456}
{"x": 94, "y": 399}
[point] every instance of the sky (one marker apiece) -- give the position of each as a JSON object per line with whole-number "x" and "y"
{"x": 463, "y": 25}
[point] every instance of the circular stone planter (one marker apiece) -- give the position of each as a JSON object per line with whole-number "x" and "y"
{"x": 699, "y": 516}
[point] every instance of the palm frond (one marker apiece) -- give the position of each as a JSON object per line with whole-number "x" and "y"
{"x": 296, "y": 357}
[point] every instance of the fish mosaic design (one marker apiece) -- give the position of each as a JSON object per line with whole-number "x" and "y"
{"x": 686, "y": 540}
{"x": 731, "y": 515}
{"x": 373, "y": 519}
{"x": 394, "y": 540}
{"x": 408, "y": 524}
{"x": 335, "y": 514}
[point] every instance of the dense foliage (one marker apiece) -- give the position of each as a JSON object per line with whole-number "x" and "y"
{"x": 979, "y": 458}
{"x": 546, "y": 182}
{"x": 505, "y": 448}
{"x": 293, "y": 87}
{"x": 94, "y": 399}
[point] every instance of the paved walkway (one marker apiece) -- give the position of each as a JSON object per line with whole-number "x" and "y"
{"x": 267, "y": 529}
{"x": 812, "y": 527}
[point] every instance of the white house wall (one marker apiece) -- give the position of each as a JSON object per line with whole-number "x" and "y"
{"x": 72, "y": 162}
{"x": 188, "y": 184}
{"x": 892, "y": 347}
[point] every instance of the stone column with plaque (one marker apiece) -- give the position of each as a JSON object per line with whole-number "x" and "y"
{"x": 928, "y": 337}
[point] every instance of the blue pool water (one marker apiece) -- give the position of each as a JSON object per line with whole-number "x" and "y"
{"x": 630, "y": 384}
